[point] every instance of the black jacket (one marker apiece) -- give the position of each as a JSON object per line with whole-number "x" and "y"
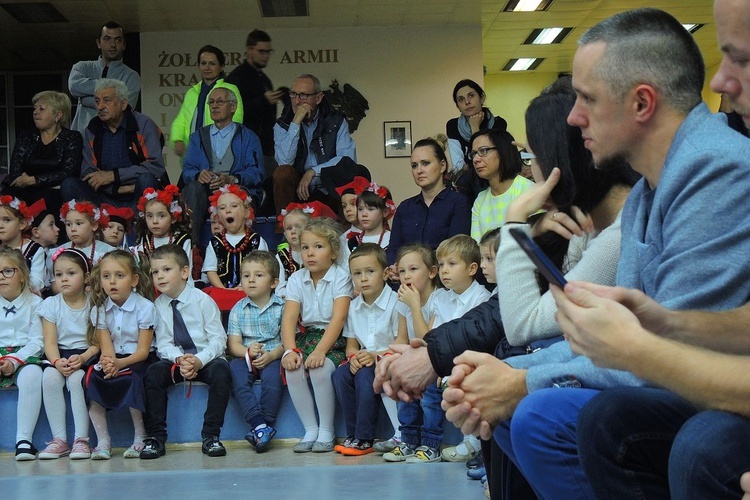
{"x": 68, "y": 146}
{"x": 480, "y": 329}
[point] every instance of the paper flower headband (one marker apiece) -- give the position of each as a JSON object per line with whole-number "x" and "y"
{"x": 313, "y": 209}
{"x": 87, "y": 208}
{"x": 169, "y": 197}
{"x": 17, "y": 205}
{"x": 234, "y": 189}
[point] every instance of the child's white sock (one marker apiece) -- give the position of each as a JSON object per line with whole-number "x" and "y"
{"x": 29, "y": 382}
{"x": 303, "y": 402}
{"x": 78, "y": 404}
{"x": 54, "y": 402}
{"x": 139, "y": 433}
{"x": 325, "y": 399}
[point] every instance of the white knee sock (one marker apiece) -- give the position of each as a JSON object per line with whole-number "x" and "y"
{"x": 303, "y": 402}
{"x": 29, "y": 384}
{"x": 54, "y": 402}
{"x": 325, "y": 399}
{"x": 392, "y": 410}
{"x": 468, "y": 439}
{"x": 99, "y": 419}
{"x": 78, "y": 404}
{"x": 139, "y": 428}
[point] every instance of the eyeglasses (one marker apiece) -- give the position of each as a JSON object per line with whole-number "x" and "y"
{"x": 8, "y": 272}
{"x": 527, "y": 158}
{"x": 302, "y": 97}
{"x": 481, "y": 152}
{"x": 218, "y": 102}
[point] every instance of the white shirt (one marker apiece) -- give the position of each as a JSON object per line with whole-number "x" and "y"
{"x": 202, "y": 319}
{"x": 24, "y": 328}
{"x": 210, "y": 263}
{"x": 451, "y": 305}
{"x": 316, "y": 302}
{"x": 375, "y": 326}
{"x": 71, "y": 324}
{"x": 404, "y": 311}
{"x": 373, "y": 238}
{"x": 124, "y": 323}
{"x": 187, "y": 245}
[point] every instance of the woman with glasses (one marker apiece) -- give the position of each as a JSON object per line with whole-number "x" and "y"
{"x": 194, "y": 112}
{"x": 469, "y": 98}
{"x": 436, "y": 213}
{"x": 496, "y": 161}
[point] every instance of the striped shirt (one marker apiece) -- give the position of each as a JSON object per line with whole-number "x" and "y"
{"x": 257, "y": 324}
{"x": 488, "y": 211}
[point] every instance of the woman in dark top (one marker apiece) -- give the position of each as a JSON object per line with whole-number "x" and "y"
{"x": 469, "y": 98}
{"x": 42, "y": 158}
{"x": 435, "y": 214}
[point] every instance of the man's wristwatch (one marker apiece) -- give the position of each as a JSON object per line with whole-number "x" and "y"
{"x": 235, "y": 179}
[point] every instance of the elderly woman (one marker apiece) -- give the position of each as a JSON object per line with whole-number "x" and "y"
{"x": 194, "y": 112}
{"x": 42, "y": 158}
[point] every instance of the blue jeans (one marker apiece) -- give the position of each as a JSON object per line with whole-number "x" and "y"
{"x": 541, "y": 440}
{"x": 656, "y": 445}
{"x": 422, "y": 421}
{"x": 74, "y": 188}
{"x": 358, "y": 400}
{"x": 271, "y": 391}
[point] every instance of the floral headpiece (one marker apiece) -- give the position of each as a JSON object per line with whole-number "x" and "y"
{"x": 17, "y": 205}
{"x": 384, "y": 195}
{"x": 169, "y": 197}
{"x": 87, "y": 208}
{"x": 358, "y": 185}
{"x": 123, "y": 215}
{"x": 313, "y": 209}
{"x": 234, "y": 189}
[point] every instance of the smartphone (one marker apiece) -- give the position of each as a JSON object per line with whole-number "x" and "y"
{"x": 539, "y": 258}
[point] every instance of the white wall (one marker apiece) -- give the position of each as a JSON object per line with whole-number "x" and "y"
{"x": 406, "y": 73}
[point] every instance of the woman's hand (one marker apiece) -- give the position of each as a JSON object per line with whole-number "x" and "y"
{"x": 475, "y": 121}
{"x": 23, "y": 180}
{"x": 563, "y": 224}
{"x": 393, "y": 273}
{"x": 533, "y": 199}
{"x": 315, "y": 360}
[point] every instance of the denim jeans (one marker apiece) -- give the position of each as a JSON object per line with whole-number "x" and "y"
{"x": 358, "y": 400}
{"x": 656, "y": 445}
{"x": 422, "y": 421}
{"x": 257, "y": 412}
{"x": 541, "y": 440}
{"x": 159, "y": 377}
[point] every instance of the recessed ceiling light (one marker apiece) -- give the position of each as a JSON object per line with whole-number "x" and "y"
{"x": 692, "y": 28}
{"x": 523, "y": 64}
{"x": 546, "y": 36}
{"x": 526, "y": 5}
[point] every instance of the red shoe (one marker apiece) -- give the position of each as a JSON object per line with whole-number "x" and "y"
{"x": 346, "y": 444}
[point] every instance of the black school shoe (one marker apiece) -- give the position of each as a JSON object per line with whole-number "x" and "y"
{"x": 152, "y": 448}
{"x": 213, "y": 447}
{"x": 475, "y": 462}
{"x": 25, "y": 451}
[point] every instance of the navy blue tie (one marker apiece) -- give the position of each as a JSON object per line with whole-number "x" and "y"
{"x": 9, "y": 310}
{"x": 181, "y": 336}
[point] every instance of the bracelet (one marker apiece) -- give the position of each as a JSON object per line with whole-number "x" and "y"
{"x": 54, "y": 363}
{"x": 289, "y": 351}
{"x": 381, "y": 356}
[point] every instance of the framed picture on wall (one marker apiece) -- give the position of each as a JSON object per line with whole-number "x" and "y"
{"x": 397, "y": 139}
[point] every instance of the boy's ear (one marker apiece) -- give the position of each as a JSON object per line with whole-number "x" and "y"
{"x": 185, "y": 273}
{"x": 473, "y": 268}
{"x": 274, "y": 283}
{"x": 433, "y": 272}
{"x": 35, "y": 232}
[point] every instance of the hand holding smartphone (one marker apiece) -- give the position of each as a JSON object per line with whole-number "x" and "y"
{"x": 539, "y": 258}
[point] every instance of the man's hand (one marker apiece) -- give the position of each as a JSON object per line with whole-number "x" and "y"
{"x": 205, "y": 176}
{"x": 179, "y": 148}
{"x": 652, "y": 316}
{"x": 482, "y": 391}
{"x": 23, "y": 180}
{"x": 303, "y": 188}
{"x": 304, "y": 112}
{"x": 600, "y": 329}
{"x": 100, "y": 178}
{"x": 405, "y": 374}
{"x": 220, "y": 180}
{"x": 273, "y": 96}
